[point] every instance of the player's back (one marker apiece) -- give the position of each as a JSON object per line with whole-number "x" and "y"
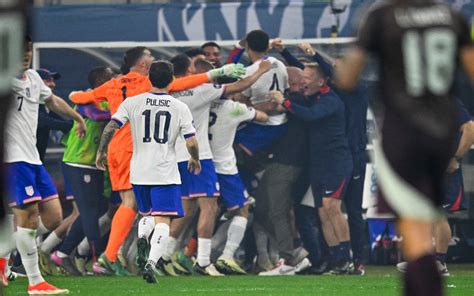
{"x": 275, "y": 79}
{"x": 417, "y": 44}
{"x": 156, "y": 120}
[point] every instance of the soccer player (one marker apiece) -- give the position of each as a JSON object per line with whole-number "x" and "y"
{"x": 136, "y": 65}
{"x": 330, "y": 160}
{"x": 203, "y": 187}
{"x": 157, "y": 120}
{"x": 256, "y": 136}
{"x": 225, "y": 117}
{"x": 212, "y": 52}
{"x": 419, "y": 46}
{"x": 28, "y": 182}
{"x": 86, "y": 181}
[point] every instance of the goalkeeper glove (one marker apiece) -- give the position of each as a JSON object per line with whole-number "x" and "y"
{"x": 229, "y": 70}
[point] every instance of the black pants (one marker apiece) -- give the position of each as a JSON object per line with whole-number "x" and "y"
{"x": 87, "y": 186}
{"x": 353, "y": 202}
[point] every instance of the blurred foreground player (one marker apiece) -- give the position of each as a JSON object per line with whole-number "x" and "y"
{"x": 419, "y": 45}
{"x": 28, "y": 183}
{"x": 156, "y": 120}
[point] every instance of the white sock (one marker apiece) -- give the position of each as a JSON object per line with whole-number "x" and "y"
{"x": 204, "y": 251}
{"x": 235, "y": 234}
{"x": 158, "y": 241}
{"x": 146, "y": 226}
{"x": 26, "y": 245}
{"x": 170, "y": 248}
{"x": 50, "y": 242}
{"x": 84, "y": 248}
{"x": 7, "y": 238}
{"x": 41, "y": 228}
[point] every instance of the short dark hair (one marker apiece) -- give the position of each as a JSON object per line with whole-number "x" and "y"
{"x": 161, "y": 74}
{"x": 192, "y": 52}
{"x": 131, "y": 58}
{"x": 28, "y": 43}
{"x": 210, "y": 43}
{"x": 181, "y": 63}
{"x": 202, "y": 66}
{"x": 316, "y": 68}
{"x": 98, "y": 76}
{"x": 257, "y": 40}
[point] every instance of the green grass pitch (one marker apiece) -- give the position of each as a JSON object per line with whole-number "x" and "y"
{"x": 380, "y": 281}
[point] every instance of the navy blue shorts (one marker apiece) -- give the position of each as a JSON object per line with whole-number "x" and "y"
{"x": 203, "y": 185}
{"x": 333, "y": 186}
{"x": 27, "y": 183}
{"x": 454, "y": 192}
{"x": 159, "y": 200}
{"x": 254, "y": 137}
{"x": 233, "y": 192}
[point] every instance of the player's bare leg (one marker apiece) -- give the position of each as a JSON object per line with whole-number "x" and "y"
{"x": 27, "y": 219}
{"x": 235, "y": 234}
{"x": 442, "y": 236}
{"x": 51, "y": 215}
{"x": 206, "y": 223}
{"x": 120, "y": 228}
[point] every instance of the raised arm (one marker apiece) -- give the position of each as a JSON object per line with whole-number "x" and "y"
{"x": 326, "y": 67}
{"x": 290, "y": 59}
{"x": 59, "y": 106}
{"x": 247, "y": 82}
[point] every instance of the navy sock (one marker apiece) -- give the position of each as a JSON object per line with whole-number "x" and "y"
{"x": 441, "y": 257}
{"x": 422, "y": 278}
{"x": 345, "y": 248}
{"x": 335, "y": 252}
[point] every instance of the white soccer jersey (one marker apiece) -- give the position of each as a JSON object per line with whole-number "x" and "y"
{"x": 199, "y": 101}
{"x": 275, "y": 79}
{"x": 22, "y": 121}
{"x": 156, "y": 121}
{"x": 225, "y": 117}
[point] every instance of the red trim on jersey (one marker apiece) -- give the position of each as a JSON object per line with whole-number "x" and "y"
{"x": 457, "y": 203}
{"x": 325, "y": 89}
{"x": 338, "y": 192}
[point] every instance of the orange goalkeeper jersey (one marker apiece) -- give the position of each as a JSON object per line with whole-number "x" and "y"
{"x": 115, "y": 91}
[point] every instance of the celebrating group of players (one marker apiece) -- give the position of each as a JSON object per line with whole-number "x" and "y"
{"x": 167, "y": 134}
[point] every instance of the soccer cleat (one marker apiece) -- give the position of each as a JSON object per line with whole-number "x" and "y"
{"x": 183, "y": 264}
{"x": 281, "y": 268}
{"x": 166, "y": 267}
{"x": 80, "y": 263}
{"x": 442, "y": 268}
{"x": 343, "y": 268}
{"x": 65, "y": 264}
{"x": 115, "y": 267}
{"x": 209, "y": 270}
{"x": 229, "y": 266}
{"x": 149, "y": 273}
{"x": 100, "y": 270}
{"x": 359, "y": 269}
{"x": 44, "y": 263}
{"x": 143, "y": 248}
{"x": 402, "y": 267}
{"x": 45, "y": 288}
{"x": 302, "y": 266}
{"x": 298, "y": 255}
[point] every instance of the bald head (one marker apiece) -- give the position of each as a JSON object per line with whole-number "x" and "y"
{"x": 295, "y": 79}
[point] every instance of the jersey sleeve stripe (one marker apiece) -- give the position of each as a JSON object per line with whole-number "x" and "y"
{"x": 187, "y": 136}
{"x": 118, "y": 122}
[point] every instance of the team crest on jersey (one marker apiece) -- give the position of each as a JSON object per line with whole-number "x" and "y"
{"x": 28, "y": 92}
{"x": 87, "y": 178}
{"x": 29, "y": 190}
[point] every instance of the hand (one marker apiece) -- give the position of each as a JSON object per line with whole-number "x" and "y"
{"x": 265, "y": 66}
{"x": 242, "y": 43}
{"x": 194, "y": 166}
{"x": 229, "y": 70}
{"x": 453, "y": 166}
{"x": 307, "y": 48}
{"x": 276, "y": 96}
{"x": 101, "y": 160}
{"x": 277, "y": 43}
{"x": 81, "y": 128}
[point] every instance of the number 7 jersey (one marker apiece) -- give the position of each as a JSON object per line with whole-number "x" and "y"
{"x": 156, "y": 120}
{"x": 417, "y": 44}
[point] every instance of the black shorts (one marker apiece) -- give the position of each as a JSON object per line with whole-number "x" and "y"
{"x": 418, "y": 161}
